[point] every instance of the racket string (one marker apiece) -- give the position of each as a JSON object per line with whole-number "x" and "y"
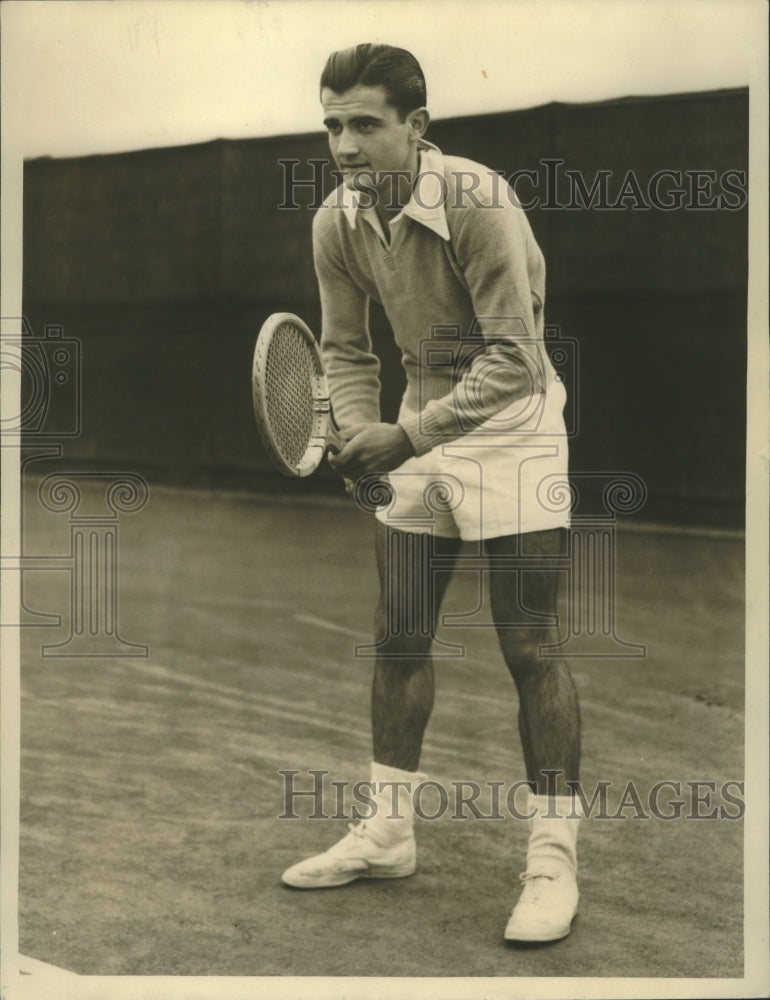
{"x": 290, "y": 371}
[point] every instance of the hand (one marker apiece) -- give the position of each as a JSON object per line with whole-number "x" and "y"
{"x": 372, "y": 448}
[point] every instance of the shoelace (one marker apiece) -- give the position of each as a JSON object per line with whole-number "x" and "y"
{"x": 360, "y": 832}
{"x": 356, "y": 831}
{"x": 533, "y": 885}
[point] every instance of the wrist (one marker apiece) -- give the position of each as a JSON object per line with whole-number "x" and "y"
{"x": 405, "y": 442}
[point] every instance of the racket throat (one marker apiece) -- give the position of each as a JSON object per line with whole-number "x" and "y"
{"x": 332, "y": 440}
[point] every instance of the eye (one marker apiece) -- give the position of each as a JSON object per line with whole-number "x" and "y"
{"x": 366, "y": 127}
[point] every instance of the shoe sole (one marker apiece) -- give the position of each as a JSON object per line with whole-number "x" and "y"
{"x": 542, "y": 938}
{"x": 345, "y": 878}
{"x": 537, "y": 939}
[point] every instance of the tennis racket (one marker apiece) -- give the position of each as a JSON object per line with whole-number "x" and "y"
{"x": 291, "y": 397}
{"x": 292, "y": 404}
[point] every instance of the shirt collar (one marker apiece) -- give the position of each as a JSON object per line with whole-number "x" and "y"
{"x": 426, "y": 205}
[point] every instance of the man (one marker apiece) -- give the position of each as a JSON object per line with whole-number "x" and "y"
{"x": 440, "y": 242}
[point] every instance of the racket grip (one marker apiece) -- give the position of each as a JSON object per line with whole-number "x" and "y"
{"x": 335, "y": 442}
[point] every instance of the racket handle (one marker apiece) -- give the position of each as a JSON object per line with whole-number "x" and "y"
{"x": 370, "y": 491}
{"x": 334, "y": 440}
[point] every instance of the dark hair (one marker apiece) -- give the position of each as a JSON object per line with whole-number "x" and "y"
{"x": 375, "y": 65}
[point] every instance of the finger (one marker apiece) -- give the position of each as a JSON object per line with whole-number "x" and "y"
{"x": 353, "y": 431}
{"x": 339, "y": 460}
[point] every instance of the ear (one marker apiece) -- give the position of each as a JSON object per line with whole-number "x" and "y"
{"x": 418, "y": 121}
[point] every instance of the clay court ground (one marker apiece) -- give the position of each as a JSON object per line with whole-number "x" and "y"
{"x": 151, "y": 842}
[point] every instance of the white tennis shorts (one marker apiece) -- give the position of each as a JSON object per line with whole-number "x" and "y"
{"x": 505, "y": 477}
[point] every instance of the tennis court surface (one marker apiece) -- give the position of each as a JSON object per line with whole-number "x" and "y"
{"x": 151, "y": 842}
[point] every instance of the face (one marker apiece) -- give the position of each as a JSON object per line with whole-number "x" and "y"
{"x": 367, "y": 137}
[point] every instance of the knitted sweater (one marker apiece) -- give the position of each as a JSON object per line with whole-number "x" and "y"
{"x": 462, "y": 283}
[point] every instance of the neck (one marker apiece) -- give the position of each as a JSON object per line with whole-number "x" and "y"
{"x": 396, "y": 191}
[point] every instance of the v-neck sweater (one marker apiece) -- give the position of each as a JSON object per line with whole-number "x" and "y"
{"x": 462, "y": 283}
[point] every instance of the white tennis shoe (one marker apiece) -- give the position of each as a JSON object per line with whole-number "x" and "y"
{"x": 546, "y": 907}
{"x": 357, "y": 855}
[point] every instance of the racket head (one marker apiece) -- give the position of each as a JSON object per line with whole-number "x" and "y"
{"x": 290, "y": 395}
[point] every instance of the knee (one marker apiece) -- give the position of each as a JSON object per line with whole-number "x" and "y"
{"x": 407, "y": 648}
{"x": 521, "y": 649}
{"x": 396, "y": 641}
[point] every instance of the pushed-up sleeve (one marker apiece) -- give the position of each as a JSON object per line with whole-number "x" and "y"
{"x": 352, "y": 369}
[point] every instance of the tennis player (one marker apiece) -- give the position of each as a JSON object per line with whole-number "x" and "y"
{"x": 441, "y": 243}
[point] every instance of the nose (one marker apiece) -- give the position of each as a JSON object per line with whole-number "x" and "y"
{"x": 347, "y": 147}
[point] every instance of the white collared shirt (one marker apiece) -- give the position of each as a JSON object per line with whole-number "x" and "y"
{"x": 425, "y": 206}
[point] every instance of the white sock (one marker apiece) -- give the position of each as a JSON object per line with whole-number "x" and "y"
{"x": 553, "y": 834}
{"x": 393, "y": 820}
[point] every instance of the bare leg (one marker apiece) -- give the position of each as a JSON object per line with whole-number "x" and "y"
{"x": 549, "y": 719}
{"x": 411, "y": 591}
